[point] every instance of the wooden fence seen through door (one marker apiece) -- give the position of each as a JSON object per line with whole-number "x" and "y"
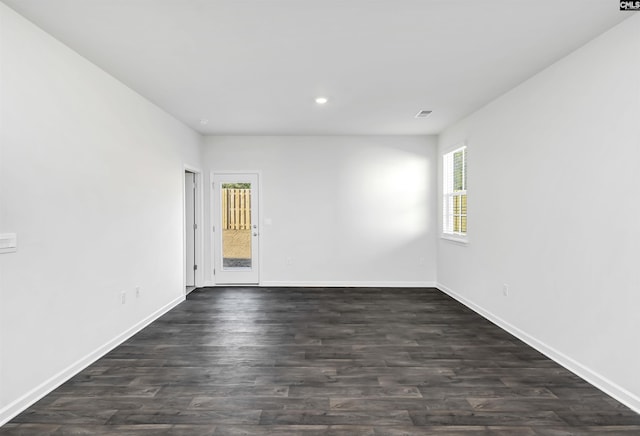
{"x": 236, "y": 209}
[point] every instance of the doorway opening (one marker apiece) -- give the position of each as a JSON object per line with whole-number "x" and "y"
{"x": 192, "y": 229}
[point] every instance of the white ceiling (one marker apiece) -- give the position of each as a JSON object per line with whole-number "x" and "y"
{"x": 255, "y": 66}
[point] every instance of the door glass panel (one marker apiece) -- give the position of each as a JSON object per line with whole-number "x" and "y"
{"x": 236, "y": 226}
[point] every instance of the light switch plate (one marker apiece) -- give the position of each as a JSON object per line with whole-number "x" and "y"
{"x": 8, "y": 242}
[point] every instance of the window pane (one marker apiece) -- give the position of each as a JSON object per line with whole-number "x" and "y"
{"x": 236, "y": 225}
{"x": 458, "y": 171}
{"x": 465, "y": 169}
{"x": 457, "y": 224}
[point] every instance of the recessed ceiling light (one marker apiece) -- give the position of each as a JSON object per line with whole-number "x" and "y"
{"x": 204, "y": 121}
{"x": 321, "y": 100}
{"x": 423, "y": 114}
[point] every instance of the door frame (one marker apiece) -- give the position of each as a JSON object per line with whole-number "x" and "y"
{"x": 199, "y": 220}
{"x": 212, "y": 215}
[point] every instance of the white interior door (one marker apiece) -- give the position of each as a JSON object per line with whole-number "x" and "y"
{"x": 190, "y": 228}
{"x": 236, "y": 229}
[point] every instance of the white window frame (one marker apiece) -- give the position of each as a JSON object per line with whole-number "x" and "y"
{"x": 448, "y": 195}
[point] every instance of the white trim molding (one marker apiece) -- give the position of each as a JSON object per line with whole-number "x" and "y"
{"x": 348, "y": 284}
{"x": 18, "y": 406}
{"x": 329, "y": 284}
{"x": 199, "y": 217}
{"x": 457, "y": 239}
{"x": 604, "y": 384}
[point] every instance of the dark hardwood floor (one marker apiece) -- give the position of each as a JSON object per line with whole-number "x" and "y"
{"x": 254, "y": 361}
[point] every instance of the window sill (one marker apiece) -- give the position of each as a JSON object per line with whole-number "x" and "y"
{"x": 462, "y": 240}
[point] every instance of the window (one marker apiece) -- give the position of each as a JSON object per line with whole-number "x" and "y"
{"x": 454, "y": 196}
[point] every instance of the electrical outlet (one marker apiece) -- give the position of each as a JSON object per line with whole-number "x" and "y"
{"x": 505, "y": 290}
{"x": 422, "y": 261}
{"x": 137, "y": 291}
{"x": 123, "y": 297}
{"x": 289, "y": 261}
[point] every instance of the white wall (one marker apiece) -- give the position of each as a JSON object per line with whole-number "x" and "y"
{"x": 91, "y": 181}
{"x": 553, "y": 211}
{"x": 347, "y": 210}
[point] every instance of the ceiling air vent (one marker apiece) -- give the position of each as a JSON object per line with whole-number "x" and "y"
{"x": 423, "y": 114}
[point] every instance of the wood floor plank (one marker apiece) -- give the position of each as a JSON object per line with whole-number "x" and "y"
{"x": 459, "y": 417}
{"x": 320, "y": 417}
{"x": 324, "y": 361}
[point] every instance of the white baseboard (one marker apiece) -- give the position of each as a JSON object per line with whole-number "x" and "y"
{"x": 16, "y": 407}
{"x": 604, "y": 384}
{"x": 336, "y": 284}
{"x": 348, "y": 284}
